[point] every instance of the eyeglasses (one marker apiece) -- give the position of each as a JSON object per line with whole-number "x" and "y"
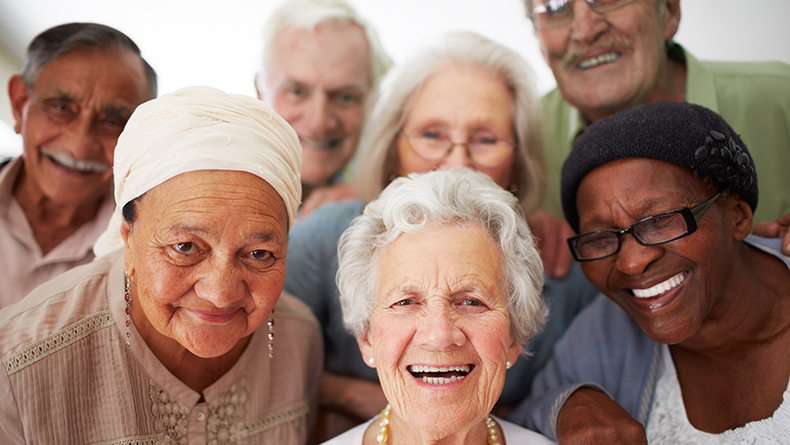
{"x": 484, "y": 149}
{"x": 550, "y": 14}
{"x": 651, "y": 231}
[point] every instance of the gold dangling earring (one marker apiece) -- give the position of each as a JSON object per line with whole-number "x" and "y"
{"x": 270, "y": 323}
{"x": 128, "y": 297}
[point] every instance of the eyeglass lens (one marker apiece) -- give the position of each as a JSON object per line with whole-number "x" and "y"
{"x": 485, "y": 150}
{"x": 549, "y": 14}
{"x": 654, "y": 230}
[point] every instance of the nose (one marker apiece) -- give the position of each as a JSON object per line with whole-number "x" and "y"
{"x": 221, "y": 283}
{"x": 80, "y": 138}
{"x": 587, "y": 24}
{"x": 634, "y": 258}
{"x": 438, "y": 329}
{"x": 319, "y": 115}
{"x": 458, "y": 157}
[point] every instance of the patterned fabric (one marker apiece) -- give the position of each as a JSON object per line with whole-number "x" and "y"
{"x": 68, "y": 376}
{"x": 668, "y": 422}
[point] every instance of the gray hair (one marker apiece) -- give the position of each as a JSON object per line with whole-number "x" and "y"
{"x": 376, "y": 158}
{"x": 458, "y": 197}
{"x": 307, "y": 14}
{"x": 61, "y": 39}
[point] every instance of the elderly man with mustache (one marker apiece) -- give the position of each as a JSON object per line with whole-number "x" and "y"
{"x": 79, "y": 86}
{"x": 611, "y": 55}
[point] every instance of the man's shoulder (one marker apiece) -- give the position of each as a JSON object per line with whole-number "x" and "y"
{"x": 775, "y": 69}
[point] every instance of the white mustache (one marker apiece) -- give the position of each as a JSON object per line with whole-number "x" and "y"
{"x": 71, "y": 163}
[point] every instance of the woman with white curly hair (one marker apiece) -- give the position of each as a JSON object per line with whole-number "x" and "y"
{"x": 440, "y": 282}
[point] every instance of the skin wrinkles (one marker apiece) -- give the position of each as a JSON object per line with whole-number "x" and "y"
{"x": 203, "y": 282}
{"x": 440, "y": 301}
{"x": 705, "y": 294}
{"x": 443, "y": 104}
{"x": 318, "y": 80}
{"x": 638, "y": 70}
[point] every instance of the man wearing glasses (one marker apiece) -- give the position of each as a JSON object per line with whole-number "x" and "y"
{"x": 611, "y": 55}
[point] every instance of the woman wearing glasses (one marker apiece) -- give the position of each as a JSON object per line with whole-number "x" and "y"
{"x": 693, "y": 340}
{"x": 464, "y": 102}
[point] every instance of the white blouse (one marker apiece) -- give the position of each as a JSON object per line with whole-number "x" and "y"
{"x": 669, "y": 424}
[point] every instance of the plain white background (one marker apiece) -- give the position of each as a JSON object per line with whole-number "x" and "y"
{"x": 208, "y": 42}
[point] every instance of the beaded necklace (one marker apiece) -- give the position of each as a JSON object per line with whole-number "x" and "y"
{"x": 384, "y": 428}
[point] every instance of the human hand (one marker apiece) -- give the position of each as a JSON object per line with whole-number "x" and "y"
{"x": 551, "y": 234}
{"x": 776, "y": 229}
{"x": 324, "y": 195}
{"x": 591, "y": 417}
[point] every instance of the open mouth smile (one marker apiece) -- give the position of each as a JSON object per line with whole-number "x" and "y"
{"x": 660, "y": 288}
{"x": 440, "y": 375}
{"x": 323, "y": 144}
{"x": 68, "y": 162}
{"x": 598, "y": 60}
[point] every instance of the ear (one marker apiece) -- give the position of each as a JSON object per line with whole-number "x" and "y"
{"x": 366, "y": 347}
{"x": 128, "y": 248}
{"x": 260, "y": 85}
{"x": 671, "y": 18}
{"x": 742, "y": 220}
{"x": 514, "y": 351}
{"x": 19, "y": 95}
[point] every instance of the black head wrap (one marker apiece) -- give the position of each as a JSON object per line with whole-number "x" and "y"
{"x": 684, "y": 134}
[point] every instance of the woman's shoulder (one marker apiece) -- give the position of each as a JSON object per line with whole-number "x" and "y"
{"x": 351, "y": 437}
{"x": 515, "y": 434}
{"x": 291, "y": 308}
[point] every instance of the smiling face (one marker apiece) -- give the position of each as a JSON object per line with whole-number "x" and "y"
{"x": 71, "y": 120}
{"x": 440, "y": 330}
{"x": 605, "y": 63}
{"x": 672, "y": 289}
{"x": 319, "y": 81}
{"x": 206, "y": 254}
{"x": 463, "y": 102}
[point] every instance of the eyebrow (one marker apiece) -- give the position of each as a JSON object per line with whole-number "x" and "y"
{"x": 184, "y": 227}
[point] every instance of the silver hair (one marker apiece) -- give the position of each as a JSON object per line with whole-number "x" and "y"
{"x": 307, "y": 14}
{"x": 61, "y": 39}
{"x": 458, "y": 197}
{"x": 377, "y": 153}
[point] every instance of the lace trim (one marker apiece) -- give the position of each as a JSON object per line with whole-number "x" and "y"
{"x": 135, "y": 440}
{"x": 230, "y": 405}
{"x": 278, "y": 417}
{"x": 669, "y": 423}
{"x": 57, "y": 341}
{"x": 171, "y": 417}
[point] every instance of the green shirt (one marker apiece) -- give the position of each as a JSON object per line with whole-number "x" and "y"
{"x": 753, "y": 97}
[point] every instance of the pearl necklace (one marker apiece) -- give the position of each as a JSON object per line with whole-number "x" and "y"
{"x": 384, "y": 428}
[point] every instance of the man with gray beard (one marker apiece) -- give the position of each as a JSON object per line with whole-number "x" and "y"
{"x": 79, "y": 85}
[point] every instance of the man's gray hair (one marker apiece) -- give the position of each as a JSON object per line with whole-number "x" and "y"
{"x": 307, "y": 14}
{"x": 61, "y": 39}
{"x": 458, "y": 197}
{"x": 377, "y": 153}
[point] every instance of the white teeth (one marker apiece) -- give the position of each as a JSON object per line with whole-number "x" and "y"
{"x": 441, "y": 380}
{"x": 598, "y": 60}
{"x": 422, "y": 368}
{"x": 660, "y": 288}
{"x": 71, "y": 163}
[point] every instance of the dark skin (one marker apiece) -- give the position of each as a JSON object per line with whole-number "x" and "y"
{"x": 728, "y": 323}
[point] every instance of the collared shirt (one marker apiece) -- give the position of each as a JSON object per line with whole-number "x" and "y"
{"x": 753, "y": 97}
{"x": 69, "y": 377}
{"x": 22, "y": 265}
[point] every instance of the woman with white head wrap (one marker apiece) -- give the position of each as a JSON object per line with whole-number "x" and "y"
{"x": 169, "y": 336}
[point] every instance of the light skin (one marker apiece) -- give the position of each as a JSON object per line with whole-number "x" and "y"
{"x": 605, "y": 63}
{"x": 440, "y": 301}
{"x": 70, "y": 123}
{"x": 319, "y": 80}
{"x": 202, "y": 282}
{"x": 726, "y": 322}
{"x": 443, "y": 105}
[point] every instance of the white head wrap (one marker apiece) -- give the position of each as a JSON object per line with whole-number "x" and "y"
{"x": 202, "y": 128}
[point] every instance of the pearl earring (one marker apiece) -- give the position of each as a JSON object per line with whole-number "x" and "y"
{"x": 508, "y": 364}
{"x": 371, "y": 361}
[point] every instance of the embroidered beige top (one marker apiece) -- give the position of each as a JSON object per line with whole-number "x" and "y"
{"x": 68, "y": 376}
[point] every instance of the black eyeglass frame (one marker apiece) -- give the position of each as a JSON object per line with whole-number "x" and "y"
{"x": 690, "y": 215}
{"x": 452, "y": 145}
{"x": 541, "y": 8}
